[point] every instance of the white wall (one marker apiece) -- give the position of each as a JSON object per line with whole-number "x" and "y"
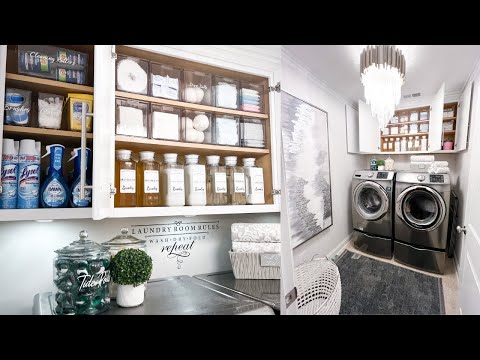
{"x": 300, "y": 82}
{"x": 27, "y": 251}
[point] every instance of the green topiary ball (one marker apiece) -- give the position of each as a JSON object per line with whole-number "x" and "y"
{"x": 131, "y": 267}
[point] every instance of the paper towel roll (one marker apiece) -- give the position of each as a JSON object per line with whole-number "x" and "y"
{"x": 131, "y": 77}
{"x": 256, "y": 232}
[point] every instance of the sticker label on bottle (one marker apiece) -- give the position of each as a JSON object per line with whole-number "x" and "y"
{"x": 198, "y": 180}
{"x": 76, "y": 196}
{"x": 175, "y": 181}
{"x": 220, "y": 183}
{"x": 151, "y": 182}
{"x": 127, "y": 181}
{"x": 54, "y": 194}
{"x": 239, "y": 182}
{"x": 257, "y": 181}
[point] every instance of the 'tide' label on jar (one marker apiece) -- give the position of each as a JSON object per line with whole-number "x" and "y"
{"x": 127, "y": 181}
{"x": 198, "y": 180}
{"x": 175, "y": 181}
{"x": 151, "y": 181}
{"x": 220, "y": 183}
{"x": 239, "y": 182}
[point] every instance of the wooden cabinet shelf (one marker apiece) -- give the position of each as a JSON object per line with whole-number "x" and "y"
{"x": 189, "y": 106}
{"x": 45, "y": 135}
{"x": 141, "y": 144}
{"x": 45, "y": 85}
{"x": 408, "y": 123}
{"x": 446, "y": 132}
{"x": 449, "y": 118}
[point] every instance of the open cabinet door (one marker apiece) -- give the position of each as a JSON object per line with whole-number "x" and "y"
{"x": 463, "y": 119}
{"x": 103, "y": 131}
{"x": 368, "y": 130}
{"x": 436, "y": 120}
{"x": 351, "y": 122}
{"x": 3, "y": 69}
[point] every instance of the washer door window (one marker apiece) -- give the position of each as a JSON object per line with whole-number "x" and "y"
{"x": 371, "y": 200}
{"x": 421, "y": 208}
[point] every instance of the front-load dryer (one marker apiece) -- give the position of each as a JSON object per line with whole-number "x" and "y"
{"x": 421, "y": 220}
{"x": 372, "y": 199}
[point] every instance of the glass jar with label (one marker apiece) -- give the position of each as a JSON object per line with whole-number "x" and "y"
{"x": 173, "y": 181}
{"x": 82, "y": 277}
{"x": 216, "y": 181}
{"x": 424, "y": 143}
{"x": 121, "y": 242}
{"x": 390, "y": 145}
{"x": 397, "y": 145}
{"x": 235, "y": 182}
{"x": 410, "y": 144}
{"x": 403, "y": 144}
{"x": 148, "y": 180}
{"x": 385, "y": 145}
{"x": 416, "y": 144}
{"x": 125, "y": 179}
{"x": 195, "y": 182}
{"x": 255, "y": 190}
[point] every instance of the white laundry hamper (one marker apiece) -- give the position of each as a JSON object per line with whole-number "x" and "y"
{"x": 319, "y": 288}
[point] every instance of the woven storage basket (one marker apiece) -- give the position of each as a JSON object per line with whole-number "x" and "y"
{"x": 255, "y": 265}
{"x": 319, "y": 289}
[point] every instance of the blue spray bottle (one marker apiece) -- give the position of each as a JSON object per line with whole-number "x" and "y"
{"x": 75, "y": 186}
{"x": 54, "y": 191}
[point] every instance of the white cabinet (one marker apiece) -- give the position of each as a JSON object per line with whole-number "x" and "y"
{"x": 463, "y": 118}
{"x": 352, "y": 127}
{"x": 368, "y": 130}
{"x": 436, "y": 120}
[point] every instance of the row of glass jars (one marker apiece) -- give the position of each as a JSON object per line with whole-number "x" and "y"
{"x": 159, "y": 80}
{"x": 81, "y": 273}
{"x": 404, "y": 144}
{"x": 149, "y": 183}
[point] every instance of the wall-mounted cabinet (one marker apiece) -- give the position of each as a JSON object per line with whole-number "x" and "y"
{"x": 435, "y": 128}
{"x": 250, "y": 108}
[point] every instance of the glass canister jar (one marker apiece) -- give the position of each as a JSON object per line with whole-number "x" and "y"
{"x": 81, "y": 276}
{"x": 120, "y": 242}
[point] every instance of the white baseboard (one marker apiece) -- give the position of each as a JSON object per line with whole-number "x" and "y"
{"x": 339, "y": 247}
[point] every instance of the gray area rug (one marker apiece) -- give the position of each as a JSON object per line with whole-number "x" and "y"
{"x": 372, "y": 287}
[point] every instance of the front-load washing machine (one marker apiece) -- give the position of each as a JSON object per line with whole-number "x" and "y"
{"x": 421, "y": 220}
{"x": 372, "y": 209}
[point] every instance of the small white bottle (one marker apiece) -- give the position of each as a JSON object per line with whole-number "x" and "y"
{"x": 403, "y": 144}
{"x": 410, "y": 144}
{"x": 254, "y": 180}
{"x": 195, "y": 182}
{"x": 397, "y": 145}
{"x": 416, "y": 144}
{"x": 173, "y": 181}
{"x": 424, "y": 143}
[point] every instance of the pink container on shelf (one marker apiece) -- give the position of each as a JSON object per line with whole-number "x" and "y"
{"x": 448, "y": 145}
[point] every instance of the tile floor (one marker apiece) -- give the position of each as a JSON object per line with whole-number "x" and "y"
{"x": 450, "y": 284}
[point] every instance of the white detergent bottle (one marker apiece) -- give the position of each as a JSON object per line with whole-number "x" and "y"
{"x": 9, "y": 179}
{"x": 28, "y": 175}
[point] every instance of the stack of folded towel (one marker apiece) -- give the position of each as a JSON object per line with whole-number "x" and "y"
{"x": 421, "y": 163}
{"x": 249, "y": 100}
{"x": 439, "y": 167}
{"x": 257, "y": 238}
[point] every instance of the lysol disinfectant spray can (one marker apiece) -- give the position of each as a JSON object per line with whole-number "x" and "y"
{"x": 28, "y": 175}
{"x": 9, "y": 179}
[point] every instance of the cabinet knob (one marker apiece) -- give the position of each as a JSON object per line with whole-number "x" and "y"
{"x": 461, "y": 229}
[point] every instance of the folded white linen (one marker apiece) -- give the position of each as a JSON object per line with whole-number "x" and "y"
{"x": 257, "y": 247}
{"x": 256, "y": 232}
{"x": 422, "y": 158}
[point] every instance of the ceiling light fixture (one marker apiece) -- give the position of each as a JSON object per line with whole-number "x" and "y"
{"x": 382, "y": 72}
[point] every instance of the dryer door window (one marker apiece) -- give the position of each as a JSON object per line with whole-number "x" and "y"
{"x": 371, "y": 200}
{"x": 421, "y": 208}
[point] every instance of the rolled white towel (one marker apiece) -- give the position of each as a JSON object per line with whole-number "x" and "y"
{"x": 440, "y": 164}
{"x": 131, "y": 77}
{"x": 422, "y": 158}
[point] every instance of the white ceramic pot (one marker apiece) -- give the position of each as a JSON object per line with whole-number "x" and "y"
{"x": 381, "y": 167}
{"x": 129, "y": 295}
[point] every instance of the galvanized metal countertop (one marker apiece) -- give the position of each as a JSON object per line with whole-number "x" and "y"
{"x": 179, "y": 295}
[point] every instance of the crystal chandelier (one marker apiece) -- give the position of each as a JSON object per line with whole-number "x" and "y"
{"x": 382, "y": 72}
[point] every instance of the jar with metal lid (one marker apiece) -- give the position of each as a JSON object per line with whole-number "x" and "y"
{"x": 81, "y": 276}
{"x": 120, "y": 242}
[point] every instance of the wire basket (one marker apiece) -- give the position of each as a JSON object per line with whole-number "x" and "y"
{"x": 319, "y": 289}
